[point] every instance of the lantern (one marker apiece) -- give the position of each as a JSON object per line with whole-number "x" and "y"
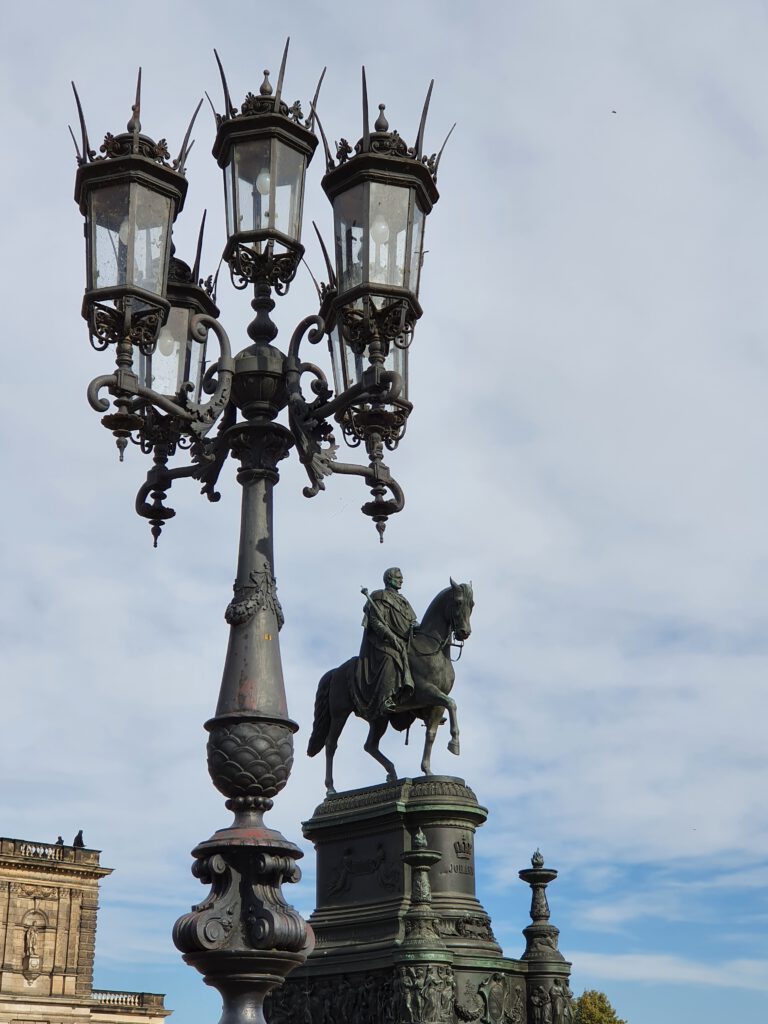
{"x": 176, "y": 366}
{"x": 381, "y": 193}
{"x": 130, "y": 198}
{"x": 264, "y": 151}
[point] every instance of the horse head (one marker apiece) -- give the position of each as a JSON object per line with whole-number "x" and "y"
{"x": 462, "y": 603}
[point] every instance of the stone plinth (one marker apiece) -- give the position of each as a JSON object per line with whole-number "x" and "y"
{"x": 363, "y": 884}
{"x": 401, "y": 936}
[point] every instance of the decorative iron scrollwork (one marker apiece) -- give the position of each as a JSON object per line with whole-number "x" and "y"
{"x": 270, "y": 921}
{"x": 246, "y": 266}
{"x": 108, "y": 326}
{"x": 126, "y": 145}
{"x": 209, "y": 924}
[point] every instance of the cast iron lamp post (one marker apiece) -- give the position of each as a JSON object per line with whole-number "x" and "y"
{"x": 244, "y": 938}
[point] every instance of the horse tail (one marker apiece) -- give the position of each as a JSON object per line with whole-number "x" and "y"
{"x": 322, "y": 722}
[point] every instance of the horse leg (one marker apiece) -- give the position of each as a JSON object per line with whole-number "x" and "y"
{"x": 376, "y": 730}
{"x": 338, "y": 722}
{"x": 429, "y": 694}
{"x": 433, "y": 720}
{"x": 453, "y": 742}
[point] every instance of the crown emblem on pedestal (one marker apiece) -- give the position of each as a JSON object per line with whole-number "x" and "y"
{"x": 463, "y": 848}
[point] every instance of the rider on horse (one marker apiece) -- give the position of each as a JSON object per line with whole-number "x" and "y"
{"x": 383, "y": 677}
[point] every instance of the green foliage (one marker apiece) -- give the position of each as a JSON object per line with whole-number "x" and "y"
{"x": 593, "y": 1007}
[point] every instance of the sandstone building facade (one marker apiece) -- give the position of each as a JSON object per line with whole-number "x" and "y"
{"x": 48, "y": 905}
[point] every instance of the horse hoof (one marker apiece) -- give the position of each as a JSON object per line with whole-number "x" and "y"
{"x": 330, "y": 791}
{"x": 391, "y": 777}
{"x": 453, "y": 746}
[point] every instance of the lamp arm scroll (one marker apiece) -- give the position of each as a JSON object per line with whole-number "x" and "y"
{"x": 194, "y": 418}
{"x": 223, "y": 368}
{"x": 377, "y": 475}
{"x": 315, "y": 445}
{"x": 208, "y": 458}
{"x": 381, "y": 386}
{"x": 313, "y": 433}
{"x": 106, "y": 380}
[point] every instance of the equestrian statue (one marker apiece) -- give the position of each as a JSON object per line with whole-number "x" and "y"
{"x": 404, "y": 672}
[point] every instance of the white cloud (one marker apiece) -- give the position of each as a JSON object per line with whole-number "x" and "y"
{"x": 588, "y": 445}
{"x": 748, "y": 974}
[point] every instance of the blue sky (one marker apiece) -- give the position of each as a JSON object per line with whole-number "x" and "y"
{"x": 588, "y": 446}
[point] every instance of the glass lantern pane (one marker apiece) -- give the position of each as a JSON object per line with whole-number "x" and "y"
{"x": 417, "y": 246}
{"x": 229, "y": 199}
{"x": 196, "y": 372}
{"x": 388, "y": 234}
{"x": 150, "y": 221}
{"x": 253, "y": 184}
{"x": 109, "y": 236}
{"x": 167, "y": 368}
{"x": 348, "y": 215}
{"x": 400, "y": 365}
{"x": 355, "y": 364}
{"x": 289, "y": 182}
{"x": 337, "y": 359}
{"x": 348, "y": 363}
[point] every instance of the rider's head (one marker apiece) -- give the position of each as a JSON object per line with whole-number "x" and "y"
{"x": 393, "y": 578}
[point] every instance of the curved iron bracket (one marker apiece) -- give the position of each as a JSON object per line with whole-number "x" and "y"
{"x": 208, "y": 457}
{"x": 313, "y": 433}
{"x": 315, "y": 444}
{"x": 207, "y": 414}
{"x": 192, "y": 418}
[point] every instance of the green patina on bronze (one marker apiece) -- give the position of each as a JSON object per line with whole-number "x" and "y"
{"x": 401, "y": 936}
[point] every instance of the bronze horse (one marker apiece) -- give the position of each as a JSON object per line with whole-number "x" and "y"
{"x": 429, "y": 656}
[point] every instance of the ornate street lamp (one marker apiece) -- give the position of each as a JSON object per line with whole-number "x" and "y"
{"x": 243, "y": 937}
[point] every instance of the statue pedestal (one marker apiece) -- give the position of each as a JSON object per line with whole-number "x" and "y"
{"x": 401, "y": 936}
{"x": 363, "y": 884}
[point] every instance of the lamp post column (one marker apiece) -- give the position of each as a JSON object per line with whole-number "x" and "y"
{"x": 244, "y": 938}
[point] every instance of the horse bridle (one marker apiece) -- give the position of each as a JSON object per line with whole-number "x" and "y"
{"x": 441, "y": 643}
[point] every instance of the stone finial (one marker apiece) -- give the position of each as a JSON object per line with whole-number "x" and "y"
{"x": 420, "y": 919}
{"x": 541, "y": 936}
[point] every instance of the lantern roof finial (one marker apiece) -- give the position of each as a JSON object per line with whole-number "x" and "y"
{"x": 382, "y": 124}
